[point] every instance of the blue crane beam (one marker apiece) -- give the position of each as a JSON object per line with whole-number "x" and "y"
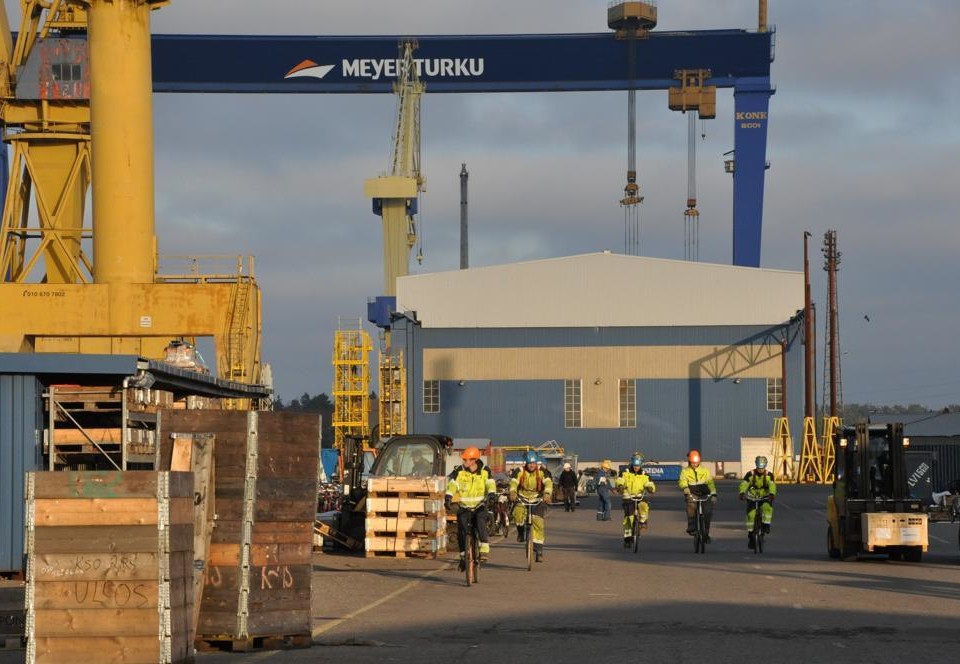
{"x": 499, "y": 63}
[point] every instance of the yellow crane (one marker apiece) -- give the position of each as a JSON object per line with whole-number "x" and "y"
{"x": 395, "y": 195}
{"x": 69, "y": 287}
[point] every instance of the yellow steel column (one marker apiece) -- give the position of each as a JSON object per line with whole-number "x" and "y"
{"x": 122, "y": 139}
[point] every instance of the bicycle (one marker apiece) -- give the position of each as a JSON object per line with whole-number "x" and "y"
{"x": 636, "y": 499}
{"x": 501, "y": 516}
{"x": 757, "y": 531}
{"x": 471, "y": 557}
{"x": 700, "y": 536}
{"x": 528, "y": 526}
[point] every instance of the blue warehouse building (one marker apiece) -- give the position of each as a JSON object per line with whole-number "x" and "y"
{"x": 604, "y": 353}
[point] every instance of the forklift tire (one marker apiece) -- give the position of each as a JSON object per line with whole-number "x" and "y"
{"x": 847, "y": 551}
{"x": 913, "y": 555}
{"x": 832, "y": 549}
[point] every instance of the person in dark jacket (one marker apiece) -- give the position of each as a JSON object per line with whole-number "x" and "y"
{"x": 568, "y": 483}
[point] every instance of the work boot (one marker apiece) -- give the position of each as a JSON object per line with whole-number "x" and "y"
{"x": 691, "y": 527}
{"x": 484, "y": 557}
{"x": 627, "y": 542}
{"x": 538, "y": 552}
{"x": 643, "y": 525}
{"x": 766, "y": 529}
{"x": 600, "y": 516}
{"x": 520, "y": 530}
{"x": 706, "y": 539}
{"x": 751, "y": 541}
{"x": 462, "y": 565}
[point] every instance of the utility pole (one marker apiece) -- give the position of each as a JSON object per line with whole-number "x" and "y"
{"x": 809, "y": 342}
{"x": 831, "y": 265}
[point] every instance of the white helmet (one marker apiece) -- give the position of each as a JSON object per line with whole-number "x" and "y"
{"x": 566, "y": 466}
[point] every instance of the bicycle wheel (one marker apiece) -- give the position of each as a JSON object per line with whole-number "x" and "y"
{"x": 700, "y": 540}
{"x": 529, "y": 536}
{"x": 468, "y": 559}
{"x": 636, "y": 533}
{"x": 758, "y": 532}
{"x": 476, "y": 557}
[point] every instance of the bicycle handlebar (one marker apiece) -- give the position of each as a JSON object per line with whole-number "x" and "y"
{"x": 524, "y": 501}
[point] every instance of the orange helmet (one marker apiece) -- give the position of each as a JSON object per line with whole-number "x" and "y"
{"x": 470, "y": 453}
{"x": 693, "y": 456}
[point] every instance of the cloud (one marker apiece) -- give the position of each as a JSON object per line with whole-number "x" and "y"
{"x": 861, "y": 139}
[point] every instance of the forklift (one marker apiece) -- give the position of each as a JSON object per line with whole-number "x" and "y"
{"x": 872, "y": 509}
{"x": 403, "y": 455}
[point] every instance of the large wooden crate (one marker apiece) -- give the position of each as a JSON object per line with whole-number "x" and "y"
{"x": 405, "y": 517}
{"x": 109, "y": 567}
{"x": 257, "y": 583}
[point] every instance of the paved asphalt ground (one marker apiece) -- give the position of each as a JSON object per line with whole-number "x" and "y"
{"x": 592, "y": 602}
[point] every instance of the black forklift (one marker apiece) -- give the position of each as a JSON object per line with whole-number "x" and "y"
{"x": 873, "y": 508}
{"x": 414, "y": 455}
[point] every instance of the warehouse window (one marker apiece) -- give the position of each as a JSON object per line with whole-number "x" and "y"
{"x": 628, "y": 403}
{"x": 572, "y": 405}
{"x": 431, "y": 396}
{"x": 774, "y": 394}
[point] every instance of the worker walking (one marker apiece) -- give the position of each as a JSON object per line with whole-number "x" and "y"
{"x": 697, "y": 481}
{"x": 633, "y": 482}
{"x": 603, "y": 491}
{"x": 532, "y": 484}
{"x": 568, "y": 484}
{"x": 472, "y": 482}
{"x": 758, "y": 484}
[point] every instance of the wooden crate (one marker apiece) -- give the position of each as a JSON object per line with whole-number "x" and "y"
{"x": 405, "y": 516}
{"x": 109, "y": 567}
{"x": 257, "y": 578}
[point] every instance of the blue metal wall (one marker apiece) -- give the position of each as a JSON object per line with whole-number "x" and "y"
{"x": 20, "y": 451}
{"x": 673, "y": 415}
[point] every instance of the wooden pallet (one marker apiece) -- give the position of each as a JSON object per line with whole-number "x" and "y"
{"x": 324, "y": 530}
{"x": 424, "y": 555}
{"x": 404, "y": 506}
{"x": 256, "y": 643}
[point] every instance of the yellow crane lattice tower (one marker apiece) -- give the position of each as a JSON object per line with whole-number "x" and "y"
{"x": 393, "y": 390}
{"x": 351, "y": 384}
{"x": 811, "y": 461}
{"x": 782, "y": 450}
{"x": 831, "y": 425}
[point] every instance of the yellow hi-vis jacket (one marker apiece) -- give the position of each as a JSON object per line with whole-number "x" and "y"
{"x": 633, "y": 484}
{"x": 759, "y": 485}
{"x": 531, "y": 485}
{"x": 698, "y": 481}
{"x": 473, "y": 487}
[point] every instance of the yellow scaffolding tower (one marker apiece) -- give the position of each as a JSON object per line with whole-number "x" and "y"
{"x": 782, "y": 450}
{"x": 811, "y": 461}
{"x": 828, "y": 455}
{"x": 351, "y": 384}
{"x": 392, "y": 409}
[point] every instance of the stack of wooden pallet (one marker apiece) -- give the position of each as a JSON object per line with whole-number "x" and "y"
{"x": 257, "y": 583}
{"x": 406, "y": 517}
{"x": 109, "y": 567}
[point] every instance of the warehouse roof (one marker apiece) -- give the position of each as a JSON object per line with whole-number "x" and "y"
{"x": 602, "y": 290}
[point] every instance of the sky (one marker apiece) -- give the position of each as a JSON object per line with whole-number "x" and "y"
{"x": 863, "y": 139}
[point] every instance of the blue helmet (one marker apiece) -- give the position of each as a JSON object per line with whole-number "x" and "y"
{"x": 636, "y": 460}
{"x": 761, "y": 461}
{"x": 531, "y": 457}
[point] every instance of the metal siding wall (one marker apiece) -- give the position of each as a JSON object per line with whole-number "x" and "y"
{"x": 19, "y": 453}
{"x": 531, "y": 412}
{"x": 946, "y": 458}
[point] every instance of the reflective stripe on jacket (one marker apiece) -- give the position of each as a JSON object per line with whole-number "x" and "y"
{"x": 761, "y": 485}
{"x": 698, "y": 480}
{"x": 527, "y": 484}
{"x": 473, "y": 487}
{"x": 632, "y": 484}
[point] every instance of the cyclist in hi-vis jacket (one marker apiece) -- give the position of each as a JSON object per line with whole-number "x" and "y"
{"x": 473, "y": 483}
{"x": 531, "y": 483}
{"x": 697, "y": 481}
{"x": 759, "y": 482}
{"x": 632, "y": 482}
